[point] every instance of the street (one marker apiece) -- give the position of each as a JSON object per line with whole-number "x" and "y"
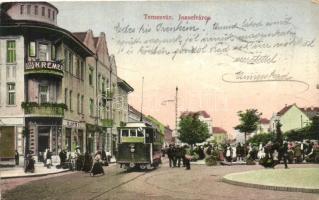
{"x": 201, "y": 182}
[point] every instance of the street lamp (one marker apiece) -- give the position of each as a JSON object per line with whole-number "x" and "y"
{"x": 176, "y": 107}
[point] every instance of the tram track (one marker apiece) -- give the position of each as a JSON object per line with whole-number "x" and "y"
{"x": 117, "y": 186}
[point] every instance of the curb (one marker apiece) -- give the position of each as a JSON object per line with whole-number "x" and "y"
{"x": 270, "y": 187}
{"x": 33, "y": 175}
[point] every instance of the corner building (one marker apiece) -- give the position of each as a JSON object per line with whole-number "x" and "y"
{"x": 52, "y": 84}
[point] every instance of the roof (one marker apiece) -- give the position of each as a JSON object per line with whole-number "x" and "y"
{"x": 310, "y": 111}
{"x": 217, "y": 130}
{"x": 8, "y": 5}
{"x": 201, "y": 113}
{"x": 284, "y": 110}
{"x": 80, "y": 35}
{"x": 96, "y": 39}
{"x": 124, "y": 85}
{"x": 264, "y": 121}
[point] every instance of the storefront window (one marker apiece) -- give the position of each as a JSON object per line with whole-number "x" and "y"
{"x": 91, "y": 107}
{"x": 53, "y": 52}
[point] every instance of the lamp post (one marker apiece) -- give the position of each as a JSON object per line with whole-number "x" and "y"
{"x": 176, "y": 107}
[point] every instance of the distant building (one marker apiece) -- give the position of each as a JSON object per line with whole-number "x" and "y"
{"x": 220, "y": 135}
{"x": 168, "y": 136}
{"x": 292, "y": 117}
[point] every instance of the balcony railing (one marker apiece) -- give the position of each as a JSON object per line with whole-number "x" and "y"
{"x": 44, "y": 67}
{"x": 44, "y": 109}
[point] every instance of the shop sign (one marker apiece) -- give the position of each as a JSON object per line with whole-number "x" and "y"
{"x": 34, "y": 65}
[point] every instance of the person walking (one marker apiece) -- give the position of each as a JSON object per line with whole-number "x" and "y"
{"x": 62, "y": 156}
{"x": 178, "y": 156}
{"x": 285, "y": 153}
{"x": 48, "y": 158}
{"x": 97, "y": 164}
{"x": 170, "y": 155}
{"x": 16, "y": 157}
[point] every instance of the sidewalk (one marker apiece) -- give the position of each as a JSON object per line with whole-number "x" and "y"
{"x": 18, "y": 171}
{"x": 202, "y": 162}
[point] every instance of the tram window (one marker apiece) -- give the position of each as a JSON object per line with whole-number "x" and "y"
{"x": 124, "y": 133}
{"x": 140, "y": 133}
{"x": 133, "y": 132}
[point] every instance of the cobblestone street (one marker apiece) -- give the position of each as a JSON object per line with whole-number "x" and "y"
{"x": 201, "y": 182}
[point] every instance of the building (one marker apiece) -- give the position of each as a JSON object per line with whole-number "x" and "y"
{"x": 57, "y": 89}
{"x": 202, "y": 116}
{"x": 291, "y": 117}
{"x": 168, "y": 136}
{"x": 220, "y": 135}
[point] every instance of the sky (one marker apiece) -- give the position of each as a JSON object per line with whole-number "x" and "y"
{"x": 225, "y": 57}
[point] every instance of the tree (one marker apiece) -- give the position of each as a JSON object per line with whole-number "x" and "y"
{"x": 192, "y": 130}
{"x": 279, "y": 138}
{"x": 261, "y": 138}
{"x": 249, "y": 121}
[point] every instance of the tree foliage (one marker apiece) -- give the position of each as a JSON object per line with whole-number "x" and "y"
{"x": 249, "y": 121}
{"x": 192, "y": 130}
{"x": 261, "y": 138}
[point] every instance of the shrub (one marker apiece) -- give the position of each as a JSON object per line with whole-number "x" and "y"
{"x": 211, "y": 160}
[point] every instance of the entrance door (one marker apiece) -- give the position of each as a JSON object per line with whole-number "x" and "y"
{"x": 43, "y": 138}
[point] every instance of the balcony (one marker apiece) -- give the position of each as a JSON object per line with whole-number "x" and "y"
{"x": 107, "y": 122}
{"x": 54, "y": 68}
{"x": 33, "y": 109}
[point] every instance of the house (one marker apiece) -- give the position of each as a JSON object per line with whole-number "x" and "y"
{"x": 220, "y": 135}
{"x": 291, "y": 117}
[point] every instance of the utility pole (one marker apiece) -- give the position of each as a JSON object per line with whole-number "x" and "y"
{"x": 176, "y": 111}
{"x": 141, "y": 119}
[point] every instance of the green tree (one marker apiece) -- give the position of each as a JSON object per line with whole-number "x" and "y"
{"x": 261, "y": 138}
{"x": 279, "y": 137}
{"x": 192, "y": 130}
{"x": 249, "y": 121}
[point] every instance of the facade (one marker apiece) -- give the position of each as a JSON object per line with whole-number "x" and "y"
{"x": 168, "y": 136}
{"x": 58, "y": 90}
{"x": 220, "y": 135}
{"x": 291, "y": 117}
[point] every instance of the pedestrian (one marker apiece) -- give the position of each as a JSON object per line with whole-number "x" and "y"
{"x": 87, "y": 163}
{"x": 285, "y": 154}
{"x": 170, "y": 155}
{"x": 29, "y": 164}
{"x": 16, "y": 157}
{"x": 104, "y": 158}
{"x": 97, "y": 164}
{"x": 187, "y": 157}
{"x": 178, "y": 155}
{"x": 174, "y": 156}
{"x": 48, "y": 158}
{"x": 62, "y": 156}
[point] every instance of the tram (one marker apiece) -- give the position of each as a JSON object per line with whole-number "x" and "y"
{"x": 139, "y": 145}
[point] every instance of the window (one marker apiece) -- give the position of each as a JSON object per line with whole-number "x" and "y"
{"x": 103, "y": 84}
{"x": 21, "y": 9}
{"x": 43, "y": 11}
{"x": 70, "y": 105}
{"x": 28, "y": 9}
{"x": 66, "y": 96}
{"x": 11, "y": 94}
{"x": 82, "y": 70}
{"x": 82, "y": 101}
{"x": 139, "y": 133}
{"x": 78, "y": 104}
{"x": 43, "y": 93}
{"x": 66, "y": 60}
{"x": 11, "y": 51}
{"x": 53, "y": 15}
{"x": 43, "y": 52}
{"x": 91, "y": 107}
{"x": 49, "y": 13}
{"x": 70, "y": 63}
{"x": 32, "y": 49}
{"x": 133, "y": 132}
{"x": 99, "y": 82}
{"x": 77, "y": 69}
{"x": 53, "y": 52}
{"x": 124, "y": 133}
{"x": 36, "y": 10}
{"x": 91, "y": 77}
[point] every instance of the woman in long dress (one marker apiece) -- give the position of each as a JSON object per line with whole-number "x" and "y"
{"x": 97, "y": 164}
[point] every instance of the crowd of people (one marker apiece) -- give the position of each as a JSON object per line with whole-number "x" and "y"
{"x": 86, "y": 162}
{"x": 178, "y": 155}
{"x": 268, "y": 155}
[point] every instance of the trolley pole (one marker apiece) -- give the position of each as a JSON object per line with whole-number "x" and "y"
{"x": 141, "y": 119}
